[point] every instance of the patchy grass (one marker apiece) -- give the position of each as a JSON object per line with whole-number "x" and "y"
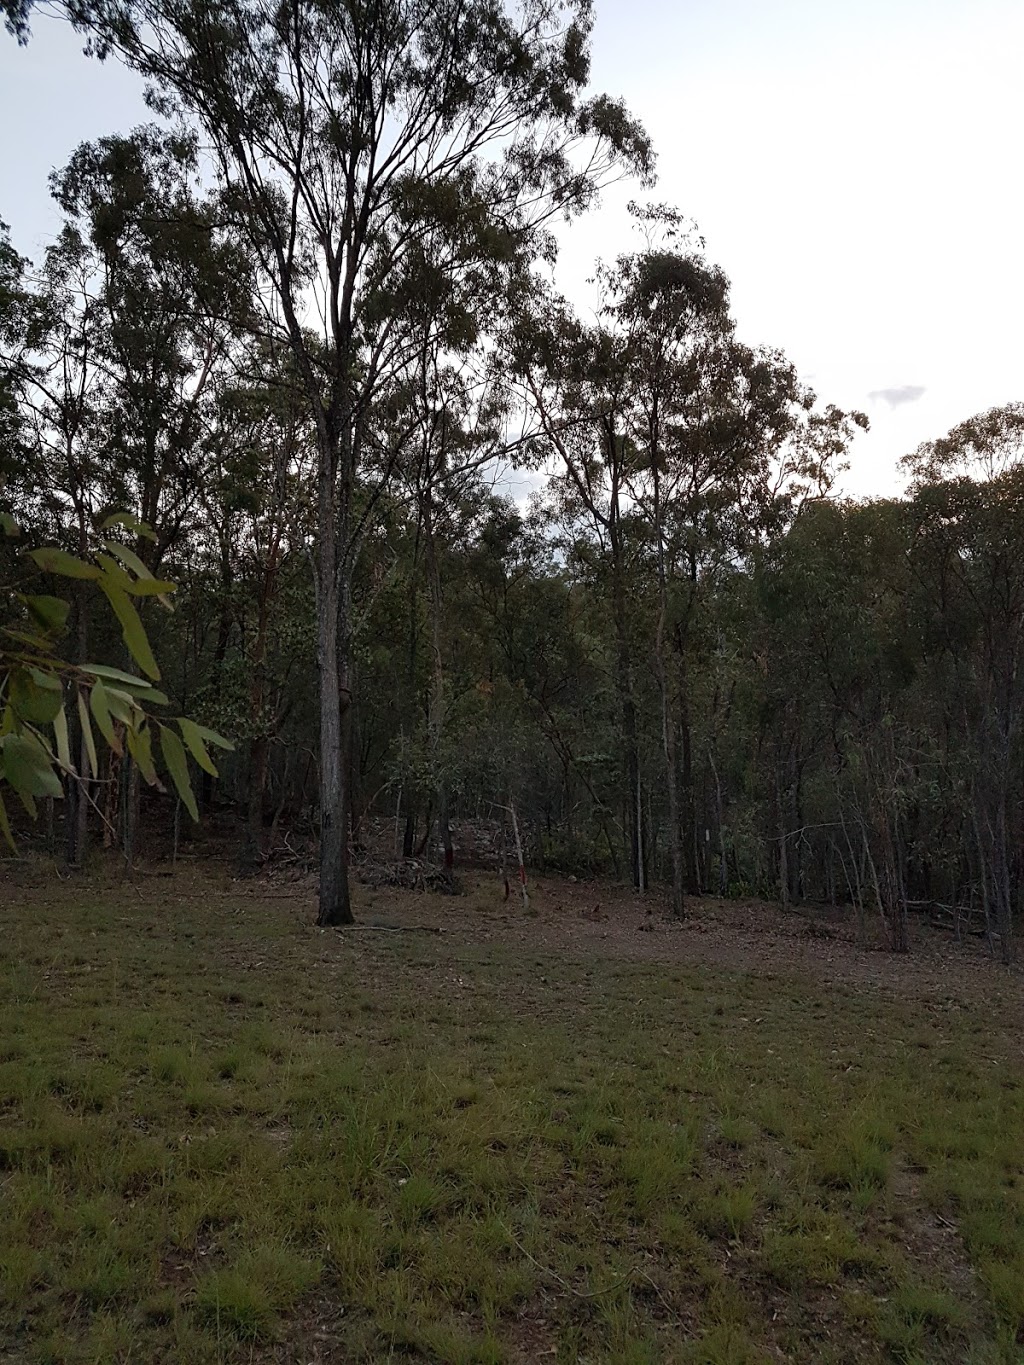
{"x": 228, "y": 1136}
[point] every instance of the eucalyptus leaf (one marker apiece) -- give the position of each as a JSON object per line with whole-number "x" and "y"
{"x": 193, "y": 738}
{"x": 87, "y": 735}
{"x": 27, "y": 766}
{"x": 131, "y": 629}
{"x": 52, "y": 560}
{"x": 49, "y": 612}
{"x": 177, "y": 765}
{"x": 100, "y": 706}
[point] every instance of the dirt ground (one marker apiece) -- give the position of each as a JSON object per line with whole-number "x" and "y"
{"x": 584, "y": 919}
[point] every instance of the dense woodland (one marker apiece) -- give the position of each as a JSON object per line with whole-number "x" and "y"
{"x": 305, "y": 328}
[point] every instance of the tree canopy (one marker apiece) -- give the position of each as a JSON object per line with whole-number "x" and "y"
{"x": 304, "y": 326}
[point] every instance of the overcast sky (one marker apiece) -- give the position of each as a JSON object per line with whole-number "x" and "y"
{"x": 854, "y": 167}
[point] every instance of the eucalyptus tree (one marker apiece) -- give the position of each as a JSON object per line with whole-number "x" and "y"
{"x": 15, "y": 304}
{"x": 966, "y": 513}
{"x": 168, "y": 293}
{"x": 681, "y": 448}
{"x": 982, "y": 447}
{"x": 51, "y": 371}
{"x": 576, "y": 394}
{"x": 129, "y": 318}
{"x": 968, "y": 562}
{"x": 243, "y": 565}
{"x": 728, "y": 441}
{"x": 343, "y": 134}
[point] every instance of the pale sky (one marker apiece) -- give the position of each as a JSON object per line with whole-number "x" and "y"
{"x": 854, "y": 166}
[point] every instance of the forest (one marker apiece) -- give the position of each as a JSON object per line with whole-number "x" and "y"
{"x": 500, "y": 859}
{"x": 305, "y": 393}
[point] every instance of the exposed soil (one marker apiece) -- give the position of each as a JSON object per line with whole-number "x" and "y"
{"x": 592, "y": 918}
{"x": 584, "y": 919}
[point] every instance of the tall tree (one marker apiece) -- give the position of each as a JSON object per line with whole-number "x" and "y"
{"x": 344, "y": 135}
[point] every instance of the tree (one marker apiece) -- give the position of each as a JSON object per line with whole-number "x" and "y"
{"x": 124, "y": 329}
{"x": 345, "y": 136}
{"x": 986, "y": 445}
{"x": 682, "y": 448}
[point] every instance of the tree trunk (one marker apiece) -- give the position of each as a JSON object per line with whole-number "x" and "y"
{"x": 77, "y": 813}
{"x": 783, "y": 837}
{"x": 332, "y": 657}
{"x": 258, "y": 752}
{"x": 356, "y": 809}
{"x": 668, "y": 736}
{"x": 437, "y": 698}
{"x": 627, "y": 709}
{"x": 688, "y": 813}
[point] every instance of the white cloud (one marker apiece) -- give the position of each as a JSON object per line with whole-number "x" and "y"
{"x": 896, "y": 398}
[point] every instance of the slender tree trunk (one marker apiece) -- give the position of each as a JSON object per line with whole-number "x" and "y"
{"x": 668, "y": 737}
{"x": 783, "y": 836}
{"x": 627, "y": 708}
{"x": 77, "y": 814}
{"x": 437, "y": 689}
{"x": 355, "y": 767}
{"x": 332, "y": 657}
{"x": 688, "y": 811}
{"x": 283, "y": 798}
{"x": 259, "y": 751}
{"x": 723, "y": 870}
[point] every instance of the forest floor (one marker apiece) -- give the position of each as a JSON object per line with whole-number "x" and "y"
{"x": 462, "y": 1132}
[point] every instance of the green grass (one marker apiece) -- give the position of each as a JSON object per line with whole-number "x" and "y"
{"x": 228, "y": 1136}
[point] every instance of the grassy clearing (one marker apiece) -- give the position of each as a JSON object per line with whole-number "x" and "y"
{"x": 227, "y": 1136}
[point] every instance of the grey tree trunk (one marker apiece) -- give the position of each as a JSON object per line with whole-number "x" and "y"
{"x": 627, "y": 708}
{"x": 670, "y": 747}
{"x": 332, "y": 644}
{"x": 437, "y": 689}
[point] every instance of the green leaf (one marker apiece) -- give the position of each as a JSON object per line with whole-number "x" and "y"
{"x": 114, "y": 574}
{"x": 50, "y": 681}
{"x": 193, "y": 738}
{"x": 129, "y": 522}
{"x": 115, "y": 675}
{"x": 10, "y": 528}
{"x": 27, "y": 766}
{"x": 100, "y": 704}
{"x": 177, "y": 766}
{"x": 152, "y": 696}
{"x": 131, "y": 629}
{"x": 212, "y": 737}
{"x": 128, "y": 558}
{"x": 52, "y": 560}
{"x": 49, "y": 612}
{"x": 32, "y": 697}
{"x": 60, "y": 734}
{"x": 145, "y": 585}
{"x": 123, "y": 707}
{"x": 140, "y": 746}
{"x": 5, "y": 826}
{"x": 21, "y": 637}
{"x": 90, "y": 743}
{"x": 135, "y": 687}
{"x": 152, "y": 587}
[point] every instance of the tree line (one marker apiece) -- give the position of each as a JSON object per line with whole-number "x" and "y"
{"x": 304, "y": 325}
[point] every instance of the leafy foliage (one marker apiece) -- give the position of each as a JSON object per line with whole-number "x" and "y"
{"x": 38, "y": 686}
